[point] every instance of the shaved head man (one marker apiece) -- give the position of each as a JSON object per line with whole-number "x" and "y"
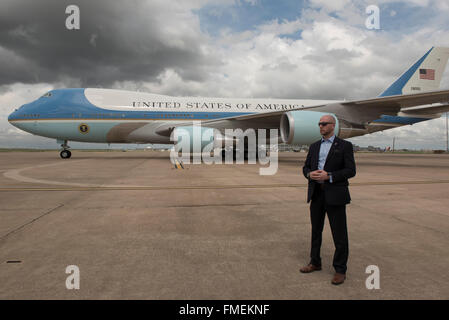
{"x": 327, "y": 130}
{"x": 328, "y": 166}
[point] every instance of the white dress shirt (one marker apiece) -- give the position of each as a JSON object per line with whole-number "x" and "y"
{"x": 325, "y": 146}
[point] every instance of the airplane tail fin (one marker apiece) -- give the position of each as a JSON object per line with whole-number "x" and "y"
{"x": 424, "y": 75}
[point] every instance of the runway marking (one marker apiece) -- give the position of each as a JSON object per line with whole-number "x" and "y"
{"x": 256, "y": 186}
{"x": 30, "y": 222}
{"x": 15, "y": 174}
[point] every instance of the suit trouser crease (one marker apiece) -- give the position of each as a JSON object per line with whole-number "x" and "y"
{"x": 337, "y": 220}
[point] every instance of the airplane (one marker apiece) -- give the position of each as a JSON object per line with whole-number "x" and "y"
{"x": 118, "y": 116}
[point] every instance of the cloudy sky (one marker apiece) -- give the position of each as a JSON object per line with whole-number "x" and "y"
{"x": 312, "y": 49}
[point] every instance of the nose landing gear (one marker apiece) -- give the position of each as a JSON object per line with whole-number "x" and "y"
{"x": 65, "y": 152}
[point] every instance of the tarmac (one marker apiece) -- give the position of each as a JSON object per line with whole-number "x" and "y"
{"x": 138, "y": 228}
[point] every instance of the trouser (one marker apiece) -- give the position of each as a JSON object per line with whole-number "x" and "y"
{"x": 337, "y": 221}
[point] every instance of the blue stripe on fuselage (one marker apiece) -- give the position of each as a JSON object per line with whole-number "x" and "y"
{"x": 73, "y": 104}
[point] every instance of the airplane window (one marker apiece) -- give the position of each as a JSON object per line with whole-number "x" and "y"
{"x": 48, "y": 94}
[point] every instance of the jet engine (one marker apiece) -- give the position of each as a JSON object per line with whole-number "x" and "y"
{"x": 301, "y": 127}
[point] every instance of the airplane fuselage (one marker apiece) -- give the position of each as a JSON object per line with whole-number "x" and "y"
{"x": 117, "y": 116}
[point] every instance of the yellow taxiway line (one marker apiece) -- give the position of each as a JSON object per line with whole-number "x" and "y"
{"x": 255, "y": 186}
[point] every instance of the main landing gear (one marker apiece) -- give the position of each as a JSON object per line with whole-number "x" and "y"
{"x": 65, "y": 152}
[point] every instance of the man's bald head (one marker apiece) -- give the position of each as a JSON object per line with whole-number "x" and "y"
{"x": 327, "y": 118}
{"x": 327, "y": 126}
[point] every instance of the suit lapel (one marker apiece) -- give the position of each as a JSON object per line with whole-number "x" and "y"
{"x": 316, "y": 155}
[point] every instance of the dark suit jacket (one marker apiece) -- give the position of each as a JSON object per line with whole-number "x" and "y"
{"x": 340, "y": 162}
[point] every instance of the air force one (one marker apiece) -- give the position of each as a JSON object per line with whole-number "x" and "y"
{"x": 116, "y": 116}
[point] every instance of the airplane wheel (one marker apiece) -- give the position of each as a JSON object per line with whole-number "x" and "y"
{"x": 65, "y": 154}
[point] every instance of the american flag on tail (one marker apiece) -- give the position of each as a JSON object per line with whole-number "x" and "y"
{"x": 428, "y": 74}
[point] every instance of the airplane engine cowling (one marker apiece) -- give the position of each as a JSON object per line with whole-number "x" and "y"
{"x": 301, "y": 127}
{"x": 195, "y": 138}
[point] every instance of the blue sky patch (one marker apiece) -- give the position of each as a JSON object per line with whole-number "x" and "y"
{"x": 242, "y": 16}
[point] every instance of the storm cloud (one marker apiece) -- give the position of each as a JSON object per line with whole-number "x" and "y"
{"x": 117, "y": 41}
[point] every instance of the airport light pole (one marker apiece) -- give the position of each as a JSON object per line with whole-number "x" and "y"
{"x": 447, "y": 137}
{"x": 393, "y": 142}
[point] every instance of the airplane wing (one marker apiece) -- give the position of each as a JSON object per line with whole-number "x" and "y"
{"x": 357, "y": 112}
{"x": 427, "y": 110}
{"x": 360, "y": 111}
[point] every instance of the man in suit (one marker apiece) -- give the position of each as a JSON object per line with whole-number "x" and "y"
{"x": 329, "y": 165}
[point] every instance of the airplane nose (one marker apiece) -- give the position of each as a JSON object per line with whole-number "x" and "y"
{"x": 13, "y": 116}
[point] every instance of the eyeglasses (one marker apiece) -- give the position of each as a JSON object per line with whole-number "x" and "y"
{"x": 324, "y": 123}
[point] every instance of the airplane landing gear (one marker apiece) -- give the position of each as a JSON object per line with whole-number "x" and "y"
{"x": 65, "y": 153}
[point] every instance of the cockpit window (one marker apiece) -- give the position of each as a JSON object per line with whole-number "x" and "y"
{"x": 48, "y": 94}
